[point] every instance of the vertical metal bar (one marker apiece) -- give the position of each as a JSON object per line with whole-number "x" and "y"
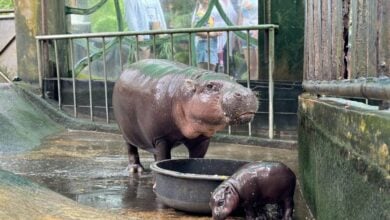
{"x": 90, "y": 81}
{"x": 250, "y": 128}
{"x": 120, "y": 53}
{"x": 249, "y": 72}
{"x": 267, "y": 20}
{"x": 136, "y": 48}
{"x": 172, "y": 47}
{"x": 248, "y": 54}
{"x": 45, "y": 58}
{"x": 105, "y": 79}
{"x": 268, "y": 11}
{"x": 228, "y": 53}
{"x": 228, "y": 67}
{"x": 189, "y": 50}
{"x": 271, "y": 57}
{"x": 39, "y": 58}
{"x": 208, "y": 50}
{"x": 73, "y": 78}
{"x": 154, "y": 47}
{"x": 58, "y": 74}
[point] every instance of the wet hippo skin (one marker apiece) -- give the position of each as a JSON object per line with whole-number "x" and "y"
{"x": 253, "y": 186}
{"x": 159, "y": 104}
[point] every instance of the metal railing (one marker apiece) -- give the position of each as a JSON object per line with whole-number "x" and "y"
{"x": 43, "y": 44}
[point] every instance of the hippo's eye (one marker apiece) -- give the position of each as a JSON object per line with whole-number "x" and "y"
{"x": 210, "y": 86}
{"x": 220, "y": 203}
{"x": 213, "y": 87}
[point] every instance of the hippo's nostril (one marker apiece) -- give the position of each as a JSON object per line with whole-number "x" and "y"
{"x": 237, "y": 94}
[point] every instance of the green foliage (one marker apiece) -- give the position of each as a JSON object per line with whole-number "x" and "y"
{"x": 105, "y": 24}
{"x": 178, "y": 13}
{"x": 6, "y": 4}
{"x": 104, "y": 19}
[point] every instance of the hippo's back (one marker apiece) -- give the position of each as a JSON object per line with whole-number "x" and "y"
{"x": 273, "y": 180}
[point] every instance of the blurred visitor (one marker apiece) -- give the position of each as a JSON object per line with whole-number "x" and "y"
{"x": 201, "y": 44}
{"x": 249, "y": 16}
{"x": 144, "y": 15}
{"x": 231, "y": 14}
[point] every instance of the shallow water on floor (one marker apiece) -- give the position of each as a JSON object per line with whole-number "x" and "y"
{"x": 90, "y": 168}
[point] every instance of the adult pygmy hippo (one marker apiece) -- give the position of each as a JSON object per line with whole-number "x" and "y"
{"x": 252, "y": 186}
{"x": 159, "y": 104}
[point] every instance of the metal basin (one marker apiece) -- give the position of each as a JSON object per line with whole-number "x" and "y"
{"x": 186, "y": 184}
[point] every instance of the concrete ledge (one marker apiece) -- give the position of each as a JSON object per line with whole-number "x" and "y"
{"x": 23, "y": 199}
{"x": 344, "y": 160}
{"x": 264, "y": 142}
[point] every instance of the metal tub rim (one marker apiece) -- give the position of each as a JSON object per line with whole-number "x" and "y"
{"x": 154, "y": 167}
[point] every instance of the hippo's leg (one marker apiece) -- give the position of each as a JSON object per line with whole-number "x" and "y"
{"x": 287, "y": 206}
{"x": 197, "y": 147}
{"x": 134, "y": 162}
{"x": 163, "y": 150}
{"x": 250, "y": 212}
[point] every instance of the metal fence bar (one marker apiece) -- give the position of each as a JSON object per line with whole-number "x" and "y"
{"x": 73, "y": 78}
{"x": 105, "y": 80}
{"x": 248, "y": 80}
{"x": 120, "y": 54}
{"x": 271, "y": 57}
{"x": 154, "y": 47}
{"x": 189, "y": 50}
{"x": 228, "y": 67}
{"x": 90, "y": 82}
{"x": 39, "y": 58}
{"x": 58, "y": 74}
{"x": 172, "y": 58}
{"x": 168, "y": 31}
{"x": 228, "y": 53}
{"x": 208, "y": 50}
{"x": 6, "y": 11}
{"x": 137, "y": 47}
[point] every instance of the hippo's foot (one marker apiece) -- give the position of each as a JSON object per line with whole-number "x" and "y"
{"x": 135, "y": 168}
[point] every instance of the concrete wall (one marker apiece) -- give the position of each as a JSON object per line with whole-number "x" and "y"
{"x": 32, "y": 18}
{"x": 344, "y": 160}
{"x": 8, "y": 46}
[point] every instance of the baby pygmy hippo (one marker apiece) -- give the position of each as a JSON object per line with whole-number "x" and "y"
{"x": 253, "y": 186}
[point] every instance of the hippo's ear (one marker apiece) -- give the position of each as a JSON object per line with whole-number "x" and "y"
{"x": 189, "y": 86}
{"x": 229, "y": 191}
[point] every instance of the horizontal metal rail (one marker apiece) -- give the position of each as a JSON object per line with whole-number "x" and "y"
{"x": 7, "y": 14}
{"x": 43, "y": 41}
{"x": 6, "y": 11}
{"x": 155, "y": 32}
{"x": 7, "y": 17}
{"x": 368, "y": 88}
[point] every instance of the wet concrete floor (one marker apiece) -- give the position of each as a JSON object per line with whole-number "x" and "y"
{"x": 89, "y": 167}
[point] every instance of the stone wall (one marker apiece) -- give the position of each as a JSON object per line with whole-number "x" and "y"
{"x": 344, "y": 160}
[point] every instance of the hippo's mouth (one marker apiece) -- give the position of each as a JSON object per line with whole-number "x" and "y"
{"x": 244, "y": 117}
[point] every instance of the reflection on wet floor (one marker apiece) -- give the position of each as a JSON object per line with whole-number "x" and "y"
{"x": 89, "y": 167}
